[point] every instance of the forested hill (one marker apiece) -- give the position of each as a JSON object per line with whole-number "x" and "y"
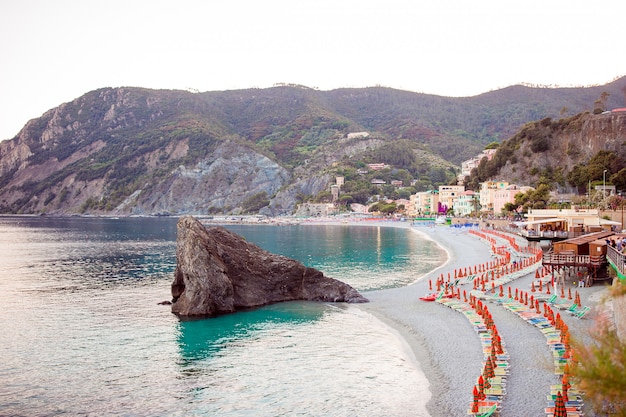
{"x": 136, "y": 150}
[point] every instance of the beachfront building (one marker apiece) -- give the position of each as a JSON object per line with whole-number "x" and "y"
{"x": 449, "y": 193}
{"x": 487, "y": 193}
{"x": 466, "y": 204}
{"x": 403, "y": 205}
{"x": 501, "y": 196}
{"x": 424, "y": 203}
{"x": 315, "y": 210}
{"x": 557, "y": 224}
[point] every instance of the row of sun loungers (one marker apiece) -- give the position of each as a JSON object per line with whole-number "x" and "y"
{"x": 490, "y": 405}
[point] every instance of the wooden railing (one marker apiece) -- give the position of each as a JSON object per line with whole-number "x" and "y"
{"x": 573, "y": 260}
{"x": 616, "y": 259}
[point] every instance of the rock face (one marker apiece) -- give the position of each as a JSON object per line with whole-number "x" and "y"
{"x": 218, "y": 272}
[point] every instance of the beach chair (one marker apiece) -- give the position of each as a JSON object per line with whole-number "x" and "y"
{"x": 581, "y": 312}
{"x": 552, "y": 299}
{"x": 488, "y": 412}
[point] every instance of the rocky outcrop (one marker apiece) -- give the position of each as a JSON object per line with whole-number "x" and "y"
{"x": 219, "y": 272}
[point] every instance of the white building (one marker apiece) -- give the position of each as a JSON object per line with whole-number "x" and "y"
{"x": 466, "y": 203}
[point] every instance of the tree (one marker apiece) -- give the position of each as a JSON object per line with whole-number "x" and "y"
{"x": 600, "y": 104}
{"x": 600, "y": 367}
{"x": 346, "y": 199}
{"x": 619, "y": 179}
{"x": 254, "y": 203}
{"x": 492, "y": 145}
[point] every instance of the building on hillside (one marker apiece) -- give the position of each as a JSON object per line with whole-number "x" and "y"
{"x": 334, "y": 191}
{"x": 378, "y": 181}
{"x": 355, "y": 135}
{"x": 501, "y": 196}
{"x": 397, "y": 183}
{"x": 377, "y": 167}
{"x": 466, "y": 204}
{"x": 449, "y": 193}
{"x": 487, "y": 194}
{"x": 424, "y": 203}
{"x": 468, "y": 165}
{"x": 340, "y": 181}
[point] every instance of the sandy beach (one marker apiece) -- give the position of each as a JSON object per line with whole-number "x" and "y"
{"x": 447, "y": 348}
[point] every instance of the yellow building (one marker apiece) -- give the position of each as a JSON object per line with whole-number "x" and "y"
{"x": 487, "y": 194}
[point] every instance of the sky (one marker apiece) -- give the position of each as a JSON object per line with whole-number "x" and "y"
{"x": 53, "y": 51}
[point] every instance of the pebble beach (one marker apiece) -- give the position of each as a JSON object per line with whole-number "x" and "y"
{"x": 448, "y": 350}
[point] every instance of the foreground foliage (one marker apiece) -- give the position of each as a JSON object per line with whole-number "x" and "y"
{"x": 600, "y": 369}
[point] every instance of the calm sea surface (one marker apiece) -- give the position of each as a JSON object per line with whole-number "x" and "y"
{"x": 82, "y": 333}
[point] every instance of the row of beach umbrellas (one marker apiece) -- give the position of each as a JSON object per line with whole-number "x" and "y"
{"x": 491, "y": 272}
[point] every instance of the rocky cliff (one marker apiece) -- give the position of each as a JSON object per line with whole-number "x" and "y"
{"x": 218, "y": 272}
{"x": 569, "y": 145}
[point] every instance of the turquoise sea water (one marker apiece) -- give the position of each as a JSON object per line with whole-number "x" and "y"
{"x": 82, "y": 333}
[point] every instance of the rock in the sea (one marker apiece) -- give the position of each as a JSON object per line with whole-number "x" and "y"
{"x": 218, "y": 272}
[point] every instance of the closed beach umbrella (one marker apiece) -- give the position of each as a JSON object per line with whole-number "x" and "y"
{"x": 565, "y": 385}
{"x": 559, "y": 406}
{"x": 481, "y": 388}
{"x": 493, "y": 353}
{"x": 476, "y": 400}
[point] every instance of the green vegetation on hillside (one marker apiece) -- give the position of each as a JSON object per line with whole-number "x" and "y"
{"x": 124, "y": 138}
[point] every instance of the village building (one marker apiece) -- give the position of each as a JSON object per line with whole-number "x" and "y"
{"x": 424, "y": 203}
{"x": 560, "y": 224}
{"x": 315, "y": 210}
{"x": 502, "y": 196}
{"x": 466, "y": 204}
{"x": 449, "y": 193}
{"x": 377, "y": 167}
{"x": 487, "y": 194}
{"x": 334, "y": 191}
{"x": 468, "y": 165}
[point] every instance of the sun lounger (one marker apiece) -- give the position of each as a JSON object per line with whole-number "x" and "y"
{"x": 552, "y": 299}
{"x": 489, "y": 412}
{"x": 579, "y": 313}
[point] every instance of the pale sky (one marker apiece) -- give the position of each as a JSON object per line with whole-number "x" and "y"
{"x": 53, "y": 51}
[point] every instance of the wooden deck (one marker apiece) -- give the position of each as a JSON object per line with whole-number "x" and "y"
{"x": 557, "y": 261}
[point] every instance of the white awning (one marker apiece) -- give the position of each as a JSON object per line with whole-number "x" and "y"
{"x": 533, "y": 222}
{"x": 605, "y": 221}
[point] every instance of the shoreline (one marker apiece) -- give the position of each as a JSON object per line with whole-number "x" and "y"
{"x": 446, "y": 348}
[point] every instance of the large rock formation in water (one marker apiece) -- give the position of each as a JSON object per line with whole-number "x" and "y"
{"x": 218, "y": 272}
